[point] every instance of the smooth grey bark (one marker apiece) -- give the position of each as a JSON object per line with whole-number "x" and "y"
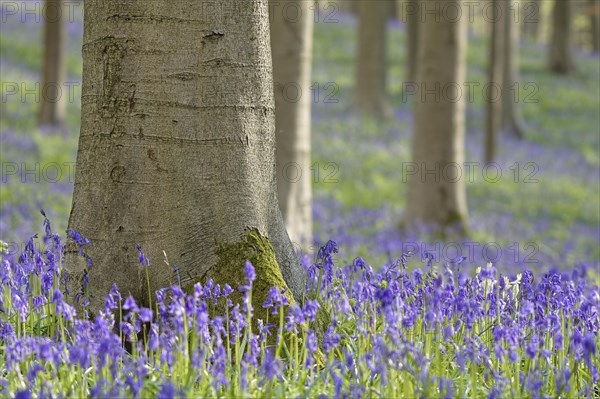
{"x": 512, "y": 120}
{"x": 413, "y": 22}
{"x": 53, "y": 97}
{"x": 370, "y": 97}
{"x": 560, "y": 57}
{"x": 495, "y": 76}
{"x": 291, "y": 46}
{"x": 177, "y": 142}
{"x": 439, "y": 198}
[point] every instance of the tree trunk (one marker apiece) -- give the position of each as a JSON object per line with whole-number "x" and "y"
{"x": 412, "y": 37}
{"x": 512, "y": 121}
{"x": 561, "y": 61}
{"x": 531, "y": 14}
{"x": 371, "y": 69}
{"x": 438, "y": 198}
{"x": 594, "y": 14}
{"x": 53, "y": 95}
{"x": 177, "y": 147}
{"x": 291, "y": 45}
{"x": 495, "y": 74}
{"x": 350, "y": 6}
{"x": 392, "y": 9}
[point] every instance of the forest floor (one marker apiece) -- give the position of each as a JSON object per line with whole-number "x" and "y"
{"x": 544, "y": 212}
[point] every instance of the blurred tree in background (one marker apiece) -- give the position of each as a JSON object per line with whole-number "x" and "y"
{"x": 512, "y": 119}
{"x": 371, "y": 98}
{"x": 495, "y": 76}
{"x": 53, "y": 100}
{"x": 560, "y": 57}
{"x": 291, "y": 47}
{"x": 439, "y": 133}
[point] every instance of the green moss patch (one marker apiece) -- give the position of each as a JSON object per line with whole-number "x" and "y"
{"x": 229, "y": 269}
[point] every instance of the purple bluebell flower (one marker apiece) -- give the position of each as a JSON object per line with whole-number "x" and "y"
{"x": 589, "y": 347}
{"x": 146, "y": 315}
{"x": 24, "y": 394}
{"x": 130, "y": 305}
{"x": 167, "y": 391}
{"x": 310, "y": 309}
{"x": 271, "y": 367}
{"x": 428, "y": 258}
{"x": 249, "y": 273}
{"x": 115, "y": 293}
{"x": 142, "y": 258}
{"x": 294, "y": 318}
{"x": 385, "y": 296}
{"x": 331, "y": 339}
{"x": 275, "y": 299}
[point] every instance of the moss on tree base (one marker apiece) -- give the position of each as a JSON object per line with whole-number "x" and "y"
{"x": 229, "y": 269}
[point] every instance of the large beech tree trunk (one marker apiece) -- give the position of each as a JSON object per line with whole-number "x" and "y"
{"x": 291, "y": 46}
{"x": 371, "y": 58}
{"x": 512, "y": 120}
{"x": 495, "y": 75}
{"x": 53, "y": 95}
{"x": 560, "y": 58}
{"x": 439, "y": 197}
{"x": 177, "y": 145}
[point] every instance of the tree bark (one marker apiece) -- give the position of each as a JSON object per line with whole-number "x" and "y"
{"x": 438, "y": 198}
{"x": 512, "y": 120}
{"x": 177, "y": 146}
{"x": 371, "y": 63}
{"x": 413, "y": 23}
{"x": 495, "y": 75}
{"x": 291, "y": 45}
{"x": 53, "y": 96}
{"x": 560, "y": 58}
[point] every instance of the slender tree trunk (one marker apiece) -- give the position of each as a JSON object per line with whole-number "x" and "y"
{"x": 392, "y": 9}
{"x": 560, "y": 58}
{"x": 412, "y": 37}
{"x": 291, "y": 44}
{"x": 531, "y": 15}
{"x": 371, "y": 69}
{"x": 512, "y": 120}
{"x": 594, "y": 14}
{"x": 53, "y": 95}
{"x": 350, "y": 6}
{"x": 495, "y": 75}
{"x": 436, "y": 195}
{"x": 177, "y": 147}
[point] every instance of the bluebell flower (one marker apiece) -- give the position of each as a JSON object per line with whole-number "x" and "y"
{"x": 271, "y": 367}
{"x": 141, "y": 257}
{"x": 310, "y": 309}
{"x": 385, "y": 296}
{"x": 249, "y": 273}
{"x": 23, "y": 394}
{"x": 167, "y": 391}
{"x": 331, "y": 339}
{"x": 146, "y": 315}
{"x": 130, "y": 305}
{"x": 589, "y": 347}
